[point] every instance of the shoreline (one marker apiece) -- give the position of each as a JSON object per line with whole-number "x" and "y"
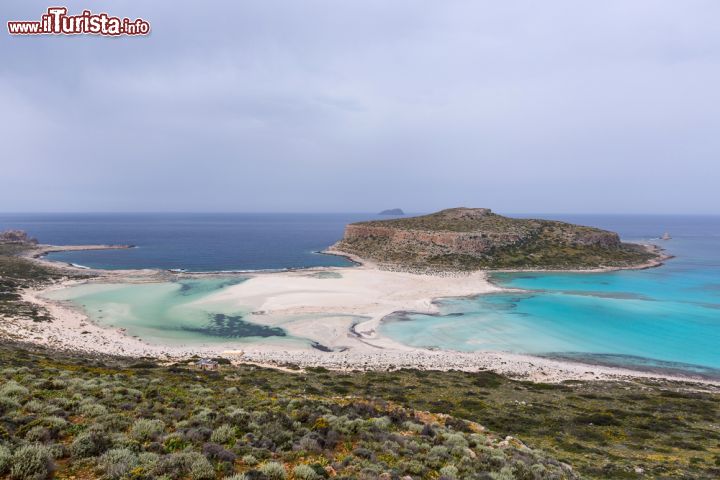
{"x": 73, "y": 330}
{"x": 39, "y": 253}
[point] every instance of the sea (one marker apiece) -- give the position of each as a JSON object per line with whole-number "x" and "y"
{"x": 664, "y": 319}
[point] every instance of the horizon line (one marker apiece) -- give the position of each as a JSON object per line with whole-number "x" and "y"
{"x": 407, "y": 213}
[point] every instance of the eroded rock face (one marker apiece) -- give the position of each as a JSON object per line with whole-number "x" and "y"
{"x": 432, "y": 242}
{"x": 17, "y": 236}
{"x": 470, "y": 243}
{"x": 476, "y": 238}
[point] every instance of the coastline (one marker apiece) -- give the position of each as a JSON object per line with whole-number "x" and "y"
{"x": 357, "y": 344}
{"x": 660, "y": 258}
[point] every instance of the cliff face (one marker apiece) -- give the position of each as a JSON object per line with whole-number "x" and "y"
{"x": 433, "y": 242}
{"x": 470, "y": 238}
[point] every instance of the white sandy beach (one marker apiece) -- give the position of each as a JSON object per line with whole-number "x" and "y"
{"x": 311, "y": 303}
{"x": 339, "y": 308}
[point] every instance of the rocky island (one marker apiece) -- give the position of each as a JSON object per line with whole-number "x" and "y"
{"x": 392, "y": 211}
{"x": 476, "y": 238}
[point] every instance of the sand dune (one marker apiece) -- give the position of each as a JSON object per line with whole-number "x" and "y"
{"x": 304, "y": 301}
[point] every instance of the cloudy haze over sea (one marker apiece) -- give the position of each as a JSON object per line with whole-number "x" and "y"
{"x": 559, "y": 106}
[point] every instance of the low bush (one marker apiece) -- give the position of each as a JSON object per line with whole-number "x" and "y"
{"x": 202, "y": 469}
{"x": 5, "y": 459}
{"x": 223, "y": 434}
{"x": 449, "y": 471}
{"x": 273, "y": 470}
{"x": 117, "y": 463}
{"x": 12, "y": 389}
{"x": 89, "y": 444}
{"x": 304, "y": 472}
{"x": 144, "y": 430}
{"x": 31, "y": 462}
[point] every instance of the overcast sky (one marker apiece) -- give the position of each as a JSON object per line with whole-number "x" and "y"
{"x": 297, "y": 105}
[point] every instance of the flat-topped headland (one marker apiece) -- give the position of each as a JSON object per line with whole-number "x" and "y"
{"x": 466, "y": 239}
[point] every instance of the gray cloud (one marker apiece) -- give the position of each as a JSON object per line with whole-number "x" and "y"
{"x": 563, "y": 106}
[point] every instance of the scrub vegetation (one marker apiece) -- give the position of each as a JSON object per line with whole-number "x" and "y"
{"x": 116, "y": 418}
{"x": 111, "y": 418}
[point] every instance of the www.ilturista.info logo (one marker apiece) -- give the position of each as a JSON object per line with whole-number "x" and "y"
{"x": 57, "y": 22}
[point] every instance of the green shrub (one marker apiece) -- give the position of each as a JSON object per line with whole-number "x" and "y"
{"x": 383, "y": 423}
{"x": 117, "y": 463}
{"x": 8, "y": 404}
{"x": 538, "y": 470}
{"x": 455, "y": 440}
{"x": 224, "y": 434}
{"x": 202, "y": 469}
{"x": 309, "y": 444}
{"x": 148, "y": 459}
{"x": 273, "y": 470}
{"x": 174, "y": 442}
{"x": 181, "y": 464}
{"x": 5, "y": 459}
{"x": 57, "y": 450}
{"x": 37, "y": 433}
{"x": 13, "y": 389}
{"x": 506, "y": 473}
{"x": 92, "y": 410}
{"x": 237, "y": 476}
{"x": 31, "y": 462}
{"x": 249, "y": 460}
{"x": 449, "y": 471}
{"x": 304, "y": 472}
{"x": 89, "y": 444}
{"x": 144, "y": 430}
{"x": 53, "y": 423}
{"x": 34, "y": 406}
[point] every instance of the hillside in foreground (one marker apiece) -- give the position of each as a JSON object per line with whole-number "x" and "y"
{"x": 115, "y": 419}
{"x": 477, "y": 238}
{"x": 104, "y": 417}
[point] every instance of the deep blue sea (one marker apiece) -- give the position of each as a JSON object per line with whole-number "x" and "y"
{"x": 665, "y": 318}
{"x": 196, "y": 242}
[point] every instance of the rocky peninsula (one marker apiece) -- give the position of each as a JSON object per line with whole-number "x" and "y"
{"x": 466, "y": 239}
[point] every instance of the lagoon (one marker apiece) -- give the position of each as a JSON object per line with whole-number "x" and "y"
{"x": 666, "y": 317}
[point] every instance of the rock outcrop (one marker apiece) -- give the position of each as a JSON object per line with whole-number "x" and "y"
{"x": 473, "y": 238}
{"x": 17, "y": 236}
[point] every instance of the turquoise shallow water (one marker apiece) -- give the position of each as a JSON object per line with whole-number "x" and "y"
{"x": 664, "y": 318}
{"x": 169, "y": 312}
